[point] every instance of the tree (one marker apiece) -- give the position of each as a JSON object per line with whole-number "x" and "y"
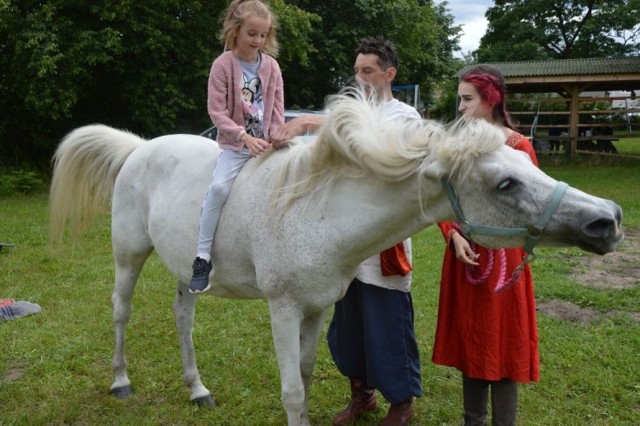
{"x": 144, "y": 65}
{"x": 560, "y": 29}
{"x": 138, "y": 65}
{"x": 66, "y": 62}
{"x": 424, "y": 35}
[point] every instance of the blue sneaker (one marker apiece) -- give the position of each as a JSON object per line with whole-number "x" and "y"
{"x": 200, "y": 279}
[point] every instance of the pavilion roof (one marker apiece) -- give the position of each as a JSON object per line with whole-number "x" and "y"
{"x": 552, "y": 75}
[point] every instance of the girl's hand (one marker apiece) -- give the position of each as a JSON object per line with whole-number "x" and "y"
{"x": 463, "y": 250}
{"x": 256, "y": 146}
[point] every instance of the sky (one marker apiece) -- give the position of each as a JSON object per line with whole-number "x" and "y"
{"x": 469, "y": 14}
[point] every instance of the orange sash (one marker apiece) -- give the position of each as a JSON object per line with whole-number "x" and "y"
{"x": 393, "y": 261}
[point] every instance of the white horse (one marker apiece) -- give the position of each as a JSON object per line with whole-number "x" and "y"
{"x": 299, "y": 221}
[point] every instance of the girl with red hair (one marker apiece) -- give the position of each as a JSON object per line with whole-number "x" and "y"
{"x": 487, "y": 326}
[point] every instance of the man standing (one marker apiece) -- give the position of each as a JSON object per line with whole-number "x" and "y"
{"x": 371, "y": 336}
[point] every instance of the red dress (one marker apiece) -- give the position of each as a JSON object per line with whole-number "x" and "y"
{"x": 483, "y": 334}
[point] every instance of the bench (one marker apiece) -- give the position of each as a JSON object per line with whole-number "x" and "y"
{"x": 603, "y": 143}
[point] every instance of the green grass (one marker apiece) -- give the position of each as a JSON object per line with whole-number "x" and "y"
{"x": 55, "y": 366}
{"x": 628, "y": 146}
{"x": 618, "y": 182}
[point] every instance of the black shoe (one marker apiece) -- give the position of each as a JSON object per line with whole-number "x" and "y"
{"x": 200, "y": 280}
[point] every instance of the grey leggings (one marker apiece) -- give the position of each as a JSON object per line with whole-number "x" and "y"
{"x": 504, "y": 401}
{"x": 227, "y": 168}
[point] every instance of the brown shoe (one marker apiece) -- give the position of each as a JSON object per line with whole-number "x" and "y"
{"x": 363, "y": 400}
{"x": 399, "y": 414}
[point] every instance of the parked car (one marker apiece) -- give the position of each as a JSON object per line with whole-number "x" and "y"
{"x": 290, "y": 114}
{"x": 212, "y": 132}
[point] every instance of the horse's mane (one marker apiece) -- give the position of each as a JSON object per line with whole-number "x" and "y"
{"x": 467, "y": 140}
{"x": 357, "y": 140}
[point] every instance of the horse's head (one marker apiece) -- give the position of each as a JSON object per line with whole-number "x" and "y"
{"x": 499, "y": 187}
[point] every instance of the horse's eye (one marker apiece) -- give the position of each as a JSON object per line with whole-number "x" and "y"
{"x": 505, "y": 184}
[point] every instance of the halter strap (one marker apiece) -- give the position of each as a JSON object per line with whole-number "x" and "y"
{"x": 532, "y": 233}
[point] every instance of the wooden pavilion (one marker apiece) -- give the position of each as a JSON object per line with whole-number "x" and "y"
{"x": 569, "y": 78}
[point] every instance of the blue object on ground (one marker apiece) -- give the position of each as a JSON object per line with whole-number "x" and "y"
{"x": 18, "y": 309}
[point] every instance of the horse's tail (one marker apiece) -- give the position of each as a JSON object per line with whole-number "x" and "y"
{"x": 85, "y": 167}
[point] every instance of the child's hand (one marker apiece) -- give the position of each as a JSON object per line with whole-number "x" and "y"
{"x": 256, "y": 146}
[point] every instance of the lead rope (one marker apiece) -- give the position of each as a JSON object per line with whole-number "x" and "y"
{"x": 532, "y": 233}
{"x": 501, "y": 285}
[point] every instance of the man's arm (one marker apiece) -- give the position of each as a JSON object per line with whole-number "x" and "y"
{"x": 307, "y": 123}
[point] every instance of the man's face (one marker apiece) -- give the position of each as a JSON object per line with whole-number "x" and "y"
{"x": 369, "y": 73}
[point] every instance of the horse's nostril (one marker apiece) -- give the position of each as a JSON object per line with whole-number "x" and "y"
{"x": 617, "y": 211}
{"x": 600, "y": 228}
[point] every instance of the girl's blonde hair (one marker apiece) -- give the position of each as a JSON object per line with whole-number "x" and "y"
{"x": 238, "y": 12}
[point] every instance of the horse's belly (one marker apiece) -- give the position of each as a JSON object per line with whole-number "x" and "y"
{"x": 237, "y": 291}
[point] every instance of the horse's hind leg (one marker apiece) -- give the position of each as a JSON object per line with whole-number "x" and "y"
{"x": 128, "y": 270}
{"x": 184, "y": 310}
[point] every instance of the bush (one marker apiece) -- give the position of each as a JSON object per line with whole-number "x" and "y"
{"x": 19, "y": 182}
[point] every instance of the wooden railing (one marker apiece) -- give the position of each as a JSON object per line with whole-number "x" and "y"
{"x": 591, "y": 129}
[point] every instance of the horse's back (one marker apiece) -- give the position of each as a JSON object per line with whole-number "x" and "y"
{"x": 156, "y": 205}
{"x": 157, "y": 199}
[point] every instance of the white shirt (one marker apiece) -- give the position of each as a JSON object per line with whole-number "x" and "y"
{"x": 369, "y": 271}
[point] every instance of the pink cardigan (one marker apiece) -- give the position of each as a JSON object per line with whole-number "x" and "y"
{"x": 225, "y": 97}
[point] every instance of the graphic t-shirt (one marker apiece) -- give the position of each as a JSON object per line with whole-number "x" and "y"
{"x": 252, "y": 104}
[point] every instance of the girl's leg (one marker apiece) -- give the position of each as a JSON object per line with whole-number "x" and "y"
{"x": 227, "y": 168}
{"x": 504, "y": 402}
{"x": 475, "y": 393}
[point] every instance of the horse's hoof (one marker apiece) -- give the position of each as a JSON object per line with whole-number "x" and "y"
{"x": 122, "y": 392}
{"x": 204, "y": 401}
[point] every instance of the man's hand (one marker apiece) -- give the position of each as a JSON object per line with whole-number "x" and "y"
{"x": 307, "y": 123}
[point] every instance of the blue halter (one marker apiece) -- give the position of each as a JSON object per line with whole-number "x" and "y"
{"x": 532, "y": 233}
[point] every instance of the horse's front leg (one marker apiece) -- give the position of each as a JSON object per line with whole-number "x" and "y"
{"x": 286, "y": 319}
{"x": 184, "y": 311}
{"x": 309, "y": 336}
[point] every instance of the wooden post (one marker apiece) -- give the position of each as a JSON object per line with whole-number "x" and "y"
{"x": 574, "y": 92}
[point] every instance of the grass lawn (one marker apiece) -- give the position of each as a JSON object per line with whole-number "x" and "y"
{"x": 628, "y": 146}
{"x": 55, "y": 366}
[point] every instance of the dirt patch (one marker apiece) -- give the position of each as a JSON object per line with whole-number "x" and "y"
{"x": 567, "y": 311}
{"x": 14, "y": 373}
{"x": 617, "y": 270}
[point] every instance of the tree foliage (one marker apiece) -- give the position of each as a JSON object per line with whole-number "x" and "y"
{"x": 143, "y": 65}
{"x": 560, "y": 29}
{"x": 424, "y": 35}
{"x": 130, "y": 64}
